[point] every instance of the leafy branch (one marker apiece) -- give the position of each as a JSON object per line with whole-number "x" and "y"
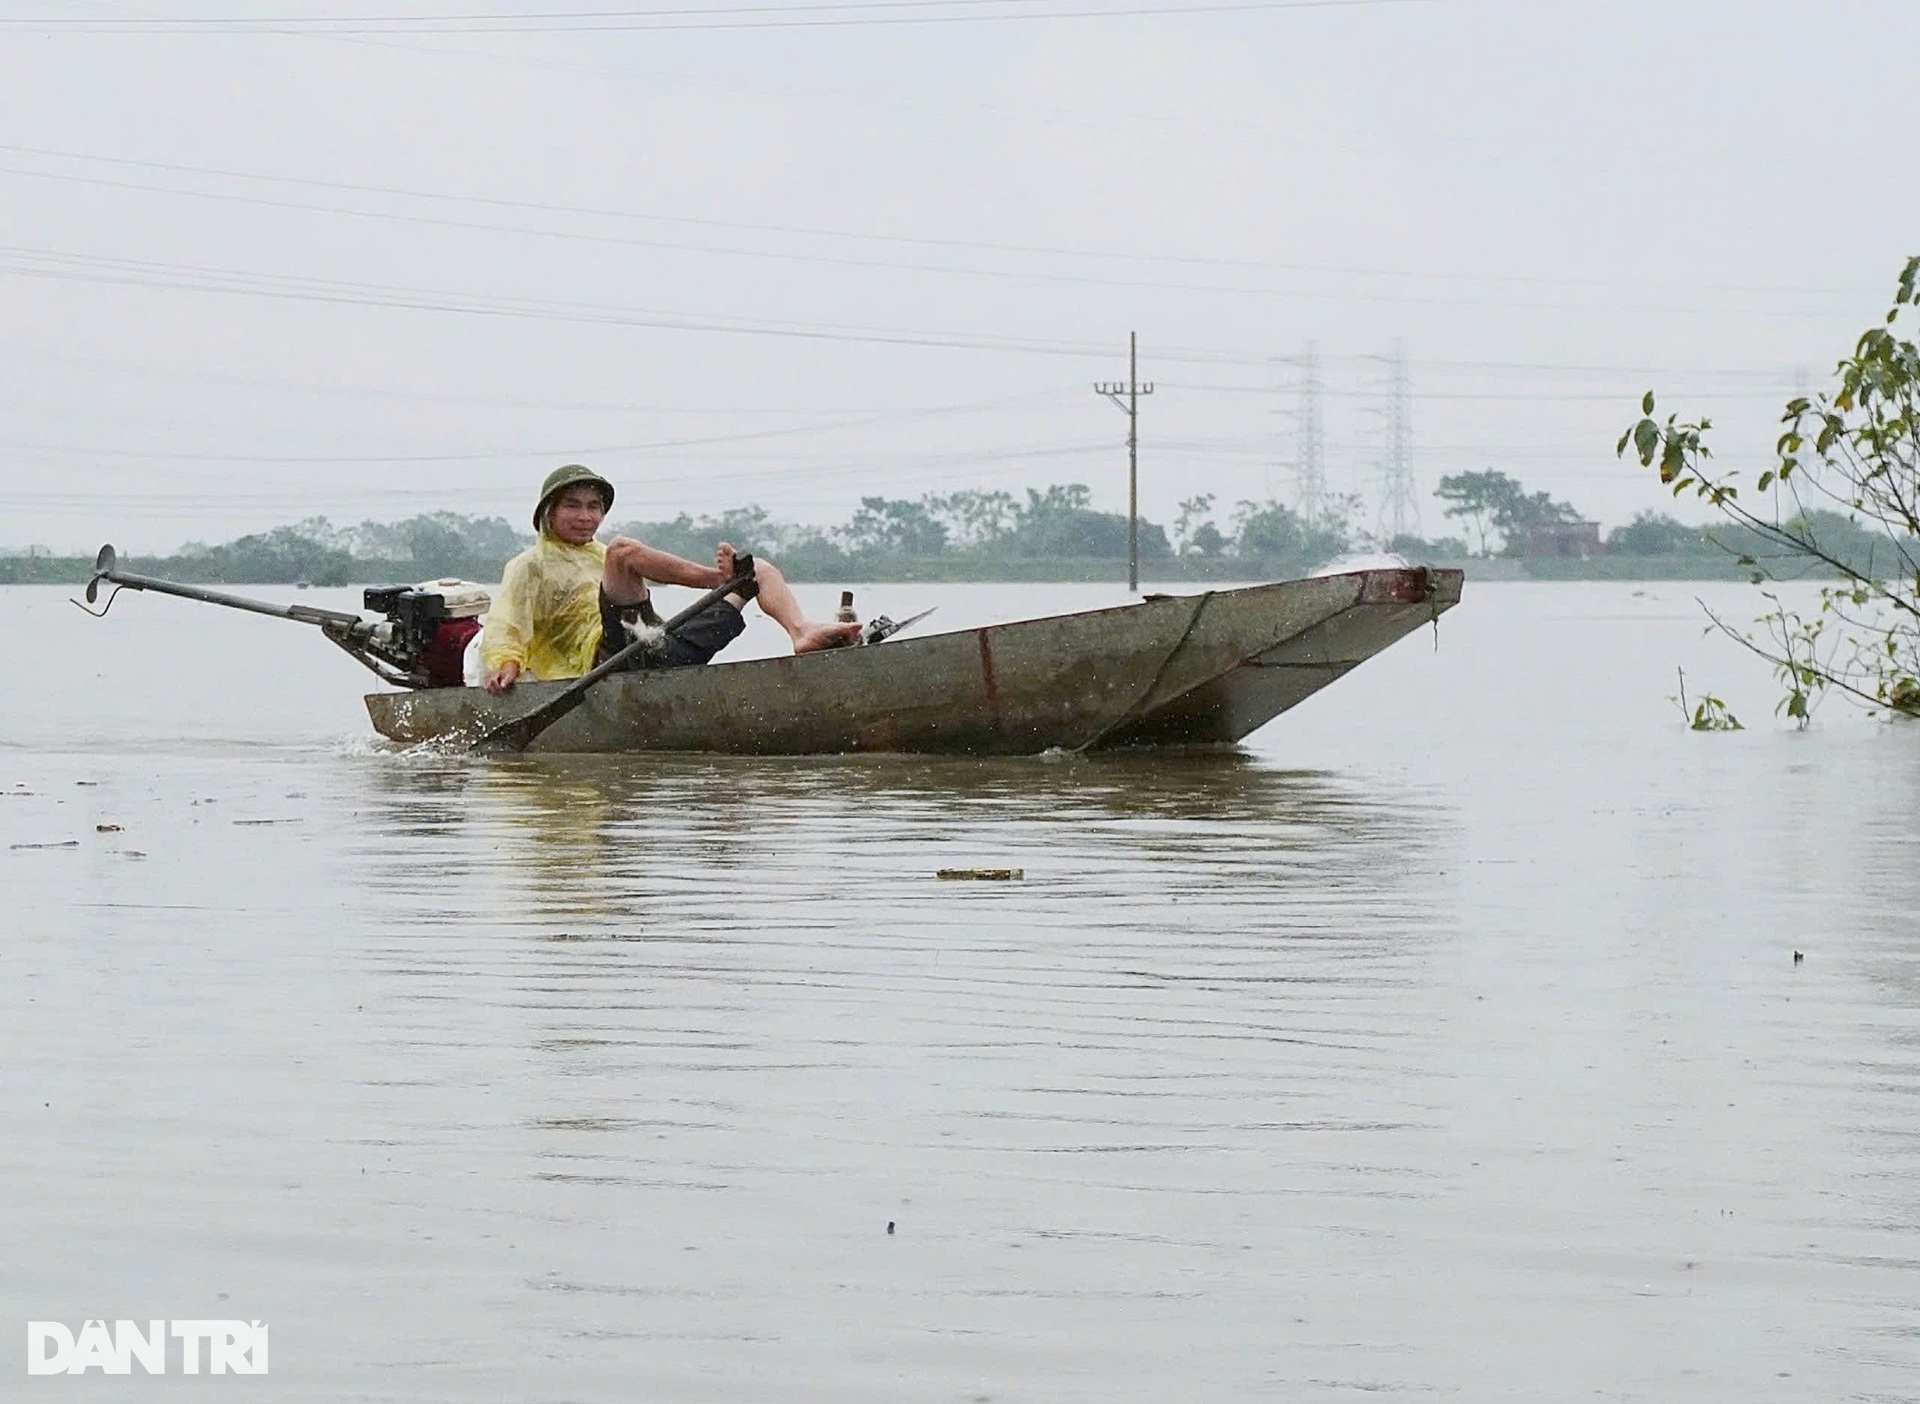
{"x": 1858, "y": 447}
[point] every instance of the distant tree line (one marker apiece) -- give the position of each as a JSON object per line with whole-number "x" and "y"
{"x": 315, "y": 552}
{"x": 1049, "y": 534}
{"x": 1053, "y": 533}
{"x": 1508, "y": 520}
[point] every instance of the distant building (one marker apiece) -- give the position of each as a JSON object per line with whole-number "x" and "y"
{"x": 1567, "y": 540}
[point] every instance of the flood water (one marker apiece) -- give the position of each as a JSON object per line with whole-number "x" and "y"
{"x": 1446, "y": 1041}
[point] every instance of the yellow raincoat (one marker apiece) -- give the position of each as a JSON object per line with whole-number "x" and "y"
{"x": 546, "y": 617}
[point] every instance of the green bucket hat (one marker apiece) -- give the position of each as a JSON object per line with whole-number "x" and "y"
{"x": 562, "y": 478}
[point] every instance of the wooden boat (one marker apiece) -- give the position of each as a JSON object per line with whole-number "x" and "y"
{"x": 1169, "y": 670}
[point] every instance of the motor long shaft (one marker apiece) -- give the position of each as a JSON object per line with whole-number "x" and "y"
{"x": 105, "y": 569}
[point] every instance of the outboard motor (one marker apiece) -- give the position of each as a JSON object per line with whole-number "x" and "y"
{"x": 427, "y": 626}
{"x": 419, "y": 644}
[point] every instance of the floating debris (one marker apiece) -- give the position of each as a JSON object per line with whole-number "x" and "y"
{"x": 70, "y": 843}
{"x": 269, "y": 821}
{"x": 106, "y": 828}
{"x": 981, "y": 874}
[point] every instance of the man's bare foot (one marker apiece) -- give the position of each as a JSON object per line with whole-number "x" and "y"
{"x": 813, "y": 637}
{"x": 724, "y": 561}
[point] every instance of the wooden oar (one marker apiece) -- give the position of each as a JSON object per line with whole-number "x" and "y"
{"x": 519, "y": 733}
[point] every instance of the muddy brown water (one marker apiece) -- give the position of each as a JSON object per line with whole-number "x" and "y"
{"x": 1446, "y": 1041}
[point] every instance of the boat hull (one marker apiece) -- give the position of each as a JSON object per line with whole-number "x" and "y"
{"x": 1169, "y": 670}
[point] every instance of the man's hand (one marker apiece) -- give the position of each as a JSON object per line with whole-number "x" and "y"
{"x": 498, "y": 680}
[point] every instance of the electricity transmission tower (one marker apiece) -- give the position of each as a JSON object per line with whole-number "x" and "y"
{"x": 1310, "y": 441}
{"x": 1127, "y": 396}
{"x": 1399, "y": 507}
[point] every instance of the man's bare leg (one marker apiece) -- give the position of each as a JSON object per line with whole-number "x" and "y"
{"x": 778, "y": 604}
{"x": 631, "y": 564}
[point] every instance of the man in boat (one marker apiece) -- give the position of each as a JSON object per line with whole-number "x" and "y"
{"x": 568, "y": 602}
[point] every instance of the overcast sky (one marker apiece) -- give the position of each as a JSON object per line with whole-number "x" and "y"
{"x": 795, "y": 254}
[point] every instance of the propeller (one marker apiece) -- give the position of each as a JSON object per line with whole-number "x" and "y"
{"x": 103, "y": 565}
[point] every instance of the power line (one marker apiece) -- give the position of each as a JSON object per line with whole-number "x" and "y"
{"x": 974, "y": 464}
{"x": 780, "y": 255}
{"x": 109, "y": 271}
{"x": 831, "y": 16}
{"x": 807, "y": 231}
{"x": 40, "y": 358}
{"x": 704, "y": 441}
{"x": 1542, "y": 397}
{"x": 46, "y": 263}
{"x": 124, "y": 272}
{"x": 508, "y": 16}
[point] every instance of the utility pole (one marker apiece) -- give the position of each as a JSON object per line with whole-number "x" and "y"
{"x": 1127, "y": 397}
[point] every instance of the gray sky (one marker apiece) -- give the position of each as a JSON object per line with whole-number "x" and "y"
{"x": 795, "y": 254}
